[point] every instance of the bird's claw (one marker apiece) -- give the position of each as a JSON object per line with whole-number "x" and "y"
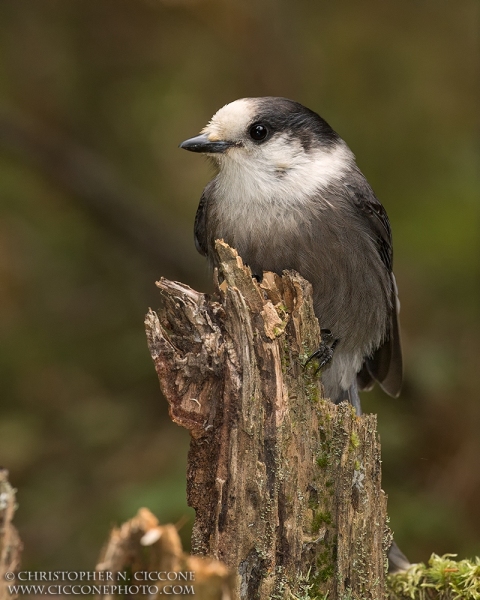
{"x": 324, "y": 353}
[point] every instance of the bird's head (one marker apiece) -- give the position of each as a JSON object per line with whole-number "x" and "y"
{"x": 277, "y": 142}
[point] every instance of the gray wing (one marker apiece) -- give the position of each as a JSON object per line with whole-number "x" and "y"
{"x": 385, "y": 365}
{"x": 200, "y": 227}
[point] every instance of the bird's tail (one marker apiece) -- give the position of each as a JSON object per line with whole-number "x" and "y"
{"x": 397, "y": 561}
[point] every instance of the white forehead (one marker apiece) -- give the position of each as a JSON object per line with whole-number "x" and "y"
{"x": 229, "y": 122}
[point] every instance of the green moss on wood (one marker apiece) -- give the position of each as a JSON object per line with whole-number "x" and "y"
{"x": 354, "y": 440}
{"x": 320, "y": 518}
{"x": 322, "y": 460}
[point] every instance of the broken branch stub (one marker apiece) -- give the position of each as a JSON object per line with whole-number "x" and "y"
{"x": 148, "y": 557}
{"x": 286, "y": 486}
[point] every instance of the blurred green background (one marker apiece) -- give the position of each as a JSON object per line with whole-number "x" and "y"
{"x": 97, "y": 203}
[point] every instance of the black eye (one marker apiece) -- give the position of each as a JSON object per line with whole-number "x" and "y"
{"x": 258, "y": 132}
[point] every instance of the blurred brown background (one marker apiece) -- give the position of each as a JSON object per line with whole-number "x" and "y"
{"x": 97, "y": 203}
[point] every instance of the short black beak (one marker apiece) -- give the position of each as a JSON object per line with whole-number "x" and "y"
{"x": 201, "y": 143}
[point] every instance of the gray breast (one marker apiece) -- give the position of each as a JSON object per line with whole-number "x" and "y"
{"x": 326, "y": 241}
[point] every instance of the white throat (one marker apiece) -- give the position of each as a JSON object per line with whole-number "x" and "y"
{"x": 282, "y": 178}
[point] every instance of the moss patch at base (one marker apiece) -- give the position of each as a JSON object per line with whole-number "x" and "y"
{"x": 443, "y": 579}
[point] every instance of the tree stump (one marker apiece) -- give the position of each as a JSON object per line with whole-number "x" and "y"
{"x": 286, "y": 486}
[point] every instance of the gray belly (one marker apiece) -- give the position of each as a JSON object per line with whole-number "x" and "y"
{"x": 351, "y": 286}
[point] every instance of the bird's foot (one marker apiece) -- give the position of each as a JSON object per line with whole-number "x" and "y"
{"x": 324, "y": 353}
{"x": 327, "y": 336}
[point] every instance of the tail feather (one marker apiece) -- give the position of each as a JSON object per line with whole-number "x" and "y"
{"x": 397, "y": 561}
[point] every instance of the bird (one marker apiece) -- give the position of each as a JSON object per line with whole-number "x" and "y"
{"x": 288, "y": 195}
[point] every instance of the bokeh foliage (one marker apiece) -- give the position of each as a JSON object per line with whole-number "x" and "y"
{"x": 97, "y": 202}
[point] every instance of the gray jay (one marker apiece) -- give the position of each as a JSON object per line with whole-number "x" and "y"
{"x": 289, "y": 195}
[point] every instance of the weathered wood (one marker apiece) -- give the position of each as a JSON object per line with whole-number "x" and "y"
{"x": 151, "y": 558}
{"x": 10, "y": 544}
{"x": 286, "y": 486}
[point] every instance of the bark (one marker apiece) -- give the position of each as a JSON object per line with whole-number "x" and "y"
{"x": 286, "y": 486}
{"x": 10, "y": 544}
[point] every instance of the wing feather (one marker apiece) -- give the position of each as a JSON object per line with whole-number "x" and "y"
{"x": 200, "y": 228}
{"x": 385, "y": 365}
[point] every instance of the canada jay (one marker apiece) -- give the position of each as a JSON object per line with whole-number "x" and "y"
{"x": 289, "y": 195}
